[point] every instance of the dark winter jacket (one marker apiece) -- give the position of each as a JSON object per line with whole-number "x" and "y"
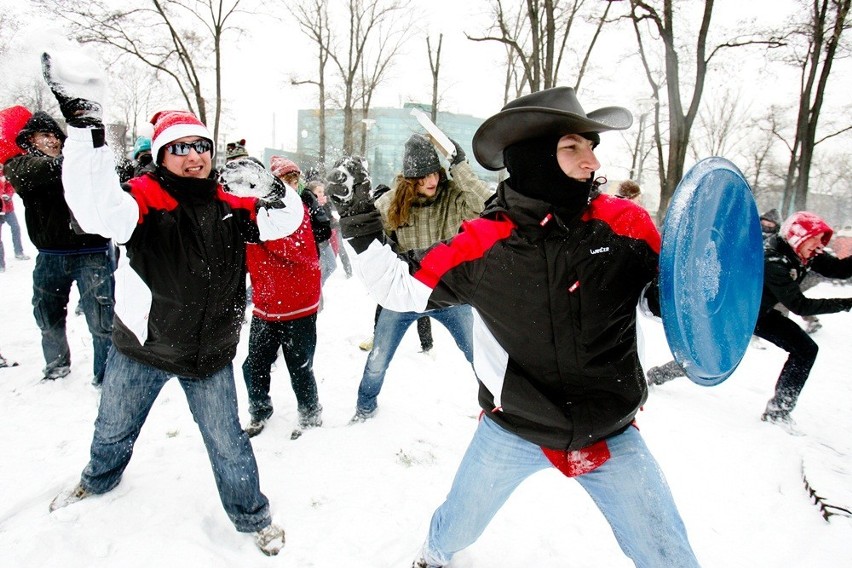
{"x": 783, "y": 272}
{"x": 38, "y": 180}
{"x": 180, "y": 285}
{"x": 555, "y": 330}
{"x": 188, "y": 249}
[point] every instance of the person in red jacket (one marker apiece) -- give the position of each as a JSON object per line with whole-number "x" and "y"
{"x": 285, "y": 279}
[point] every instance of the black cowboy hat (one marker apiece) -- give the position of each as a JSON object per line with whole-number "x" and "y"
{"x": 548, "y": 112}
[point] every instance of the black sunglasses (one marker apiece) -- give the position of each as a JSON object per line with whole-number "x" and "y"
{"x": 182, "y": 148}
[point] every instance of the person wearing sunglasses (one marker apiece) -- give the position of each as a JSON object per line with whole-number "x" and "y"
{"x": 181, "y": 289}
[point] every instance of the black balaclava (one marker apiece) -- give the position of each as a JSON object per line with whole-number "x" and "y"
{"x": 534, "y": 172}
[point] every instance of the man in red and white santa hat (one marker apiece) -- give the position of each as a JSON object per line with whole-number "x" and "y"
{"x": 180, "y": 289}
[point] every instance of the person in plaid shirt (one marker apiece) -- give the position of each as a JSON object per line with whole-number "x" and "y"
{"x": 425, "y": 206}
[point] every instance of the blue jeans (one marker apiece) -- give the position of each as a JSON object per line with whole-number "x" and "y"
{"x": 15, "y": 227}
{"x": 128, "y": 393}
{"x": 390, "y": 328}
{"x": 298, "y": 341}
{"x": 52, "y": 279}
{"x": 629, "y": 489}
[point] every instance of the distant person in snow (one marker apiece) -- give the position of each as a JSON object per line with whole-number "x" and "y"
{"x": 424, "y": 206}
{"x": 8, "y": 217}
{"x": 182, "y": 281}
{"x": 553, "y": 270}
{"x": 65, "y": 255}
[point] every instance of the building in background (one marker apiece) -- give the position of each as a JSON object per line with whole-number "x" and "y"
{"x": 387, "y": 129}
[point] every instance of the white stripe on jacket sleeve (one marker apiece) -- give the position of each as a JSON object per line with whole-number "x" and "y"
{"x": 93, "y": 191}
{"x": 388, "y": 280}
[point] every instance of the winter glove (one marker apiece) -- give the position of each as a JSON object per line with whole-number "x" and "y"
{"x": 77, "y": 83}
{"x": 459, "y": 156}
{"x": 846, "y": 303}
{"x": 360, "y": 221}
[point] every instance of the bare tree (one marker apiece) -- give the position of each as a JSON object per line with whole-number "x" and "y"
{"x": 378, "y": 58}
{"x": 536, "y": 36}
{"x": 720, "y": 124}
{"x": 174, "y": 37}
{"x": 312, "y": 16}
{"x": 435, "y": 68}
{"x": 364, "y": 19}
{"x": 821, "y": 37}
{"x": 652, "y": 24}
{"x": 137, "y": 94}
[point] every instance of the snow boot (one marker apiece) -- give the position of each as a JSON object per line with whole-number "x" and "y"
{"x": 420, "y": 563}
{"x": 270, "y": 539}
{"x": 69, "y": 497}
{"x": 56, "y": 373}
{"x": 778, "y": 416}
{"x": 665, "y": 373}
{"x": 362, "y": 416}
{"x": 255, "y": 427}
{"x": 308, "y": 420}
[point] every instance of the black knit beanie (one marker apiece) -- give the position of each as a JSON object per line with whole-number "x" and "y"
{"x": 420, "y": 158}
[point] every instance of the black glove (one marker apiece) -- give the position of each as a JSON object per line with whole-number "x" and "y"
{"x": 460, "y": 155}
{"x": 349, "y": 197}
{"x": 78, "y": 112}
{"x": 360, "y": 221}
{"x": 846, "y": 303}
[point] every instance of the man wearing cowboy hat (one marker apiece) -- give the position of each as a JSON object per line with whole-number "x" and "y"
{"x": 554, "y": 270}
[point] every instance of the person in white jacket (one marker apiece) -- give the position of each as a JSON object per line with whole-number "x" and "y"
{"x": 180, "y": 291}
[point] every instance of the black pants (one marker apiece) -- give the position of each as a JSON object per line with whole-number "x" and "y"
{"x": 786, "y": 334}
{"x": 298, "y": 340}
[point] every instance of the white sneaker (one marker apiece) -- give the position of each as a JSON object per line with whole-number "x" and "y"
{"x": 270, "y": 539}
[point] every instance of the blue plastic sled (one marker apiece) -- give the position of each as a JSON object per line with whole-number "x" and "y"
{"x": 711, "y": 270}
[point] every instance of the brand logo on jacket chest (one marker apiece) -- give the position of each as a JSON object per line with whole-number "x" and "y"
{"x": 599, "y": 250}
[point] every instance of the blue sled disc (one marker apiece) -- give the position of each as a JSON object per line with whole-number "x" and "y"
{"x": 711, "y": 270}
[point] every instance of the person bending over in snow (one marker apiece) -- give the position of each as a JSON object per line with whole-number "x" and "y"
{"x": 553, "y": 270}
{"x": 182, "y": 292}
{"x": 788, "y": 257}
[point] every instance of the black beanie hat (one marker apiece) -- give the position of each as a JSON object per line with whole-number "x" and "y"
{"x": 420, "y": 158}
{"x": 40, "y": 121}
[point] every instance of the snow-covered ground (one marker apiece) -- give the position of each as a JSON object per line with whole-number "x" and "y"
{"x": 361, "y": 496}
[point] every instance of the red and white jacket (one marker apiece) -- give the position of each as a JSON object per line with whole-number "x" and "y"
{"x": 285, "y": 275}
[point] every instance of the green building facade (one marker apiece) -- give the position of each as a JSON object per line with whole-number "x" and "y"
{"x": 387, "y": 129}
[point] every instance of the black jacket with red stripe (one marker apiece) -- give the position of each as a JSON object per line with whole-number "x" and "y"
{"x": 187, "y": 281}
{"x": 554, "y": 304}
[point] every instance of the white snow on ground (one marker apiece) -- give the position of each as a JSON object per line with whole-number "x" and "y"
{"x": 361, "y": 496}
